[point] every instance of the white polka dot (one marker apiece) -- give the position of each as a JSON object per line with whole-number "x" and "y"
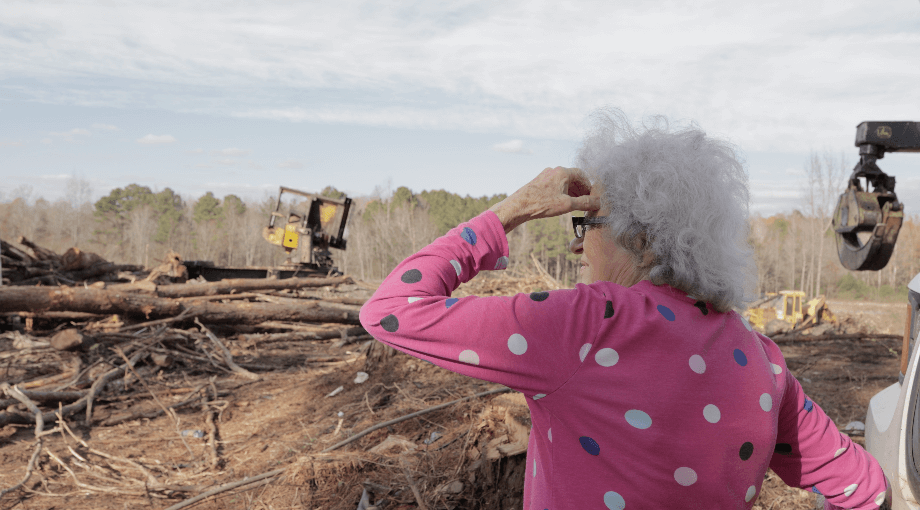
{"x": 776, "y": 368}
{"x": 614, "y": 501}
{"x": 685, "y": 476}
{"x": 583, "y": 352}
{"x": 457, "y": 267}
{"x": 839, "y": 452}
{"x": 538, "y": 396}
{"x": 697, "y": 364}
{"x": 712, "y": 413}
{"x": 550, "y": 434}
{"x": 470, "y": 357}
{"x": 850, "y": 489}
{"x": 766, "y": 402}
{"x": 606, "y": 357}
{"x": 501, "y": 263}
{"x": 750, "y": 493}
{"x": 880, "y": 498}
{"x": 414, "y": 299}
{"x": 517, "y": 344}
{"x": 534, "y": 468}
{"x": 638, "y": 419}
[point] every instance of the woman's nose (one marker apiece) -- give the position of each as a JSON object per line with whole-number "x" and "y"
{"x": 575, "y": 245}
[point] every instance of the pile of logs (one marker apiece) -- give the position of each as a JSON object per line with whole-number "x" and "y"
{"x": 26, "y": 263}
{"x": 65, "y": 344}
{"x": 240, "y": 301}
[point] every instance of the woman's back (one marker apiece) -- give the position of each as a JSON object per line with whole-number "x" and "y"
{"x": 640, "y": 396}
{"x": 674, "y": 404}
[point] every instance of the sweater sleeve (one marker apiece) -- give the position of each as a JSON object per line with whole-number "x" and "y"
{"x": 812, "y": 454}
{"x": 521, "y": 341}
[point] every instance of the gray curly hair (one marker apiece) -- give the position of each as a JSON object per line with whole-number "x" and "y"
{"x": 680, "y": 194}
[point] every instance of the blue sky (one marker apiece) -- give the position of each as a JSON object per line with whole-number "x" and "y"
{"x": 472, "y": 97}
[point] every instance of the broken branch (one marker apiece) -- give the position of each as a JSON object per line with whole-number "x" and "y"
{"x": 228, "y": 358}
{"x": 39, "y": 426}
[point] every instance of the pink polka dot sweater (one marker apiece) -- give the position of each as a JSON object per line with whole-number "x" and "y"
{"x": 640, "y": 397}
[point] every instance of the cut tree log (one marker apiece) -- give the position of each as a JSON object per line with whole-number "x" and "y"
{"x": 244, "y": 285}
{"x": 99, "y": 270}
{"x": 355, "y": 334}
{"x": 15, "y": 253}
{"x": 113, "y": 301}
{"x": 325, "y": 297}
{"x": 40, "y": 253}
{"x": 848, "y": 336}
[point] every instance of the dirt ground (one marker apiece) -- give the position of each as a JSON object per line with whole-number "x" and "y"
{"x": 284, "y": 420}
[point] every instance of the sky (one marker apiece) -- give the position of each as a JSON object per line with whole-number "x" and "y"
{"x": 473, "y": 97}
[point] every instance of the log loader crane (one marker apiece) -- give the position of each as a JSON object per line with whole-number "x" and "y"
{"x": 306, "y": 230}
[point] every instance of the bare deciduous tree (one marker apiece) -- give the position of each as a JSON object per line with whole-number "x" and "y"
{"x": 826, "y": 180}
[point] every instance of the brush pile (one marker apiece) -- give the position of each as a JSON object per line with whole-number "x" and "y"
{"x": 91, "y": 350}
{"x": 26, "y": 263}
{"x": 141, "y": 392}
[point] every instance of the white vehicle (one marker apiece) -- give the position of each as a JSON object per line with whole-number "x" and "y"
{"x": 893, "y": 420}
{"x": 866, "y": 225}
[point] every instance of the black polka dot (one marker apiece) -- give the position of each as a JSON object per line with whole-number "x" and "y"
{"x": 747, "y": 449}
{"x": 783, "y": 448}
{"x": 539, "y": 296}
{"x": 411, "y": 276}
{"x": 390, "y": 323}
{"x": 702, "y": 306}
{"x": 608, "y": 311}
{"x": 590, "y": 445}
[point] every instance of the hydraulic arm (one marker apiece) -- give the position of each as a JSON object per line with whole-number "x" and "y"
{"x": 867, "y": 222}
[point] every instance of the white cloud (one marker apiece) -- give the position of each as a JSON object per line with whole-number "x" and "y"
{"x": 513, "y": 146}
{"x": 72, "y": 134}
{"x": 291, "y": 163}
{"x": 202, "y": 165}
{"x": 156, "y": 139}
{"x": 46, "y": 141}
{"x": 233, "y": 153}
{"x": 769, "y": 197}
{"x": 10, "y": 144}
{"x": 195, "y": 151}
{"x": 227, "y": 162}
{"x": 105, "y": 127}
{"x": 536, "y": 69}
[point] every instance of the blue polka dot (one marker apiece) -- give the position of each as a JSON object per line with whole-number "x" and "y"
{"x": 468, "y": 235}
{"x": 809, "y": 405}
{"x": 666, "y": 312}
{"x": 740, "y": 357}
{"x": 815, "y": 490}
{"x": 590, "y": 445}
{"x": 451, "y": 301}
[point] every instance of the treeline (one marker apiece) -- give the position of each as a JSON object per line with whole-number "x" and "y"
{"x": 135, "y": 225}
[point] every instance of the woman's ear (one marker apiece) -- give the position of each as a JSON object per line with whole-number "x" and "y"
{"x": 642, "y": 244}
{"x": 648, "y": 259}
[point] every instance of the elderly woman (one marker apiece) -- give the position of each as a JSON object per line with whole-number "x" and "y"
{"x": 646, "y": 390}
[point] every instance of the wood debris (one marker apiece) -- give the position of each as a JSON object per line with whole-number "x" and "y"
{"x": 26, "y": 263}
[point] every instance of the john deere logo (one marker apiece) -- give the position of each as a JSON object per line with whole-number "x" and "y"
{"x": 883, "y": 132}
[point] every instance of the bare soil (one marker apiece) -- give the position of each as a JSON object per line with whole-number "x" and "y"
{"x": 285, "y": 419}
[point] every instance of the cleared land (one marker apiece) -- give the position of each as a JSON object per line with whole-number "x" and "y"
{"x": 223, "y": 427}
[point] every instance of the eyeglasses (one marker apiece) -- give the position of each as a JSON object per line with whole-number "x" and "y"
{"x": 580, "y": 223}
